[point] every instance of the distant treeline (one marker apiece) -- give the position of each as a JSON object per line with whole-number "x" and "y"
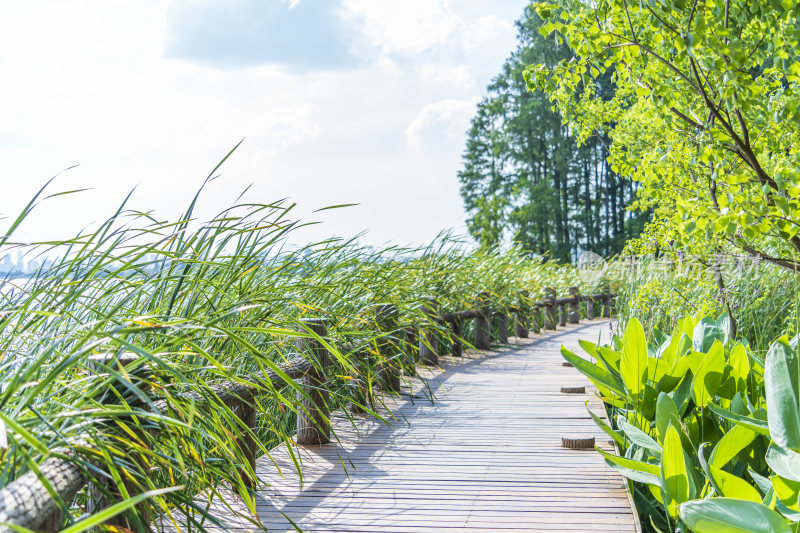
{"x": 524, "y": 177}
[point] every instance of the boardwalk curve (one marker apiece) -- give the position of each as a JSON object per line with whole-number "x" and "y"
{"x": 485, "y": 456}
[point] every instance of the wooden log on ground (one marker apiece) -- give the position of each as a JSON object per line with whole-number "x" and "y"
{"x": 313, "y": 422}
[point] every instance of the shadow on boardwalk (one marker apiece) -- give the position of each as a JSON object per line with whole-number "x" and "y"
{"x": 485, "y": 456}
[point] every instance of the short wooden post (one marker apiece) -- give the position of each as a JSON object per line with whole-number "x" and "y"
{"x": 574, "y": 314}
{"x": 549, "y": 308}
{"x": 606, "y": 305}
{"x": 502, "y": 327}
{"x": 458, "y": 345}
{"x": 388, "y": 373}
{"x": 313, "y": 424}
{"x": 482, "y": 329}
{"x": 536, "y": 317}
{"x": 523, "y": 316}
{"x": 590, "y": 308}
{"x": 358, "y": 385}
{"x": 97, "y": 493}
{"x": 410, "y": 349}
{"x": 248, "y": 416}
{"x": 428, "y": 344}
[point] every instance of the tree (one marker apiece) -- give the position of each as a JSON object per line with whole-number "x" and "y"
{"x": 524, "y": 177}
{"x": 705, "y": 113}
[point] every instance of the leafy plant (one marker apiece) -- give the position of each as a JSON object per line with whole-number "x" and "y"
{"x": 710, "y": 432}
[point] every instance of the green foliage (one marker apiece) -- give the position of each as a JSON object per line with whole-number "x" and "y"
{"x": 703, "y": 392}
{"x": 525, "y": 179}
{"x": 704, "y": 116}
{"x": 202, "y": 302}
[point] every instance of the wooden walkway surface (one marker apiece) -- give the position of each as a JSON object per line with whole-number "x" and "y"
{"x": 486, "y": 456}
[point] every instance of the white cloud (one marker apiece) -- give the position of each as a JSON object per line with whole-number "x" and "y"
{"x": 445, "y": 120}
{"x": 406, "y": 26}
{"x": 87, "y": 82}
{"x": 484, "y": 30}
{"x": 443, "y": 74}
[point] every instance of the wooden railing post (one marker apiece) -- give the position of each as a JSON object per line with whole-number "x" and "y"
{"x": 536, "y": 317}
{"x": 574, "y": 313}
{"x": 549, "y": 308}
{"x": 606, "y": 303}
{"x": 523, "y": 316}
{"x": 98, "y": 493}
{"x": 388, "y": 373}
{"x": 313, "y": 424}
{"x": 590, "y": 308}
{"x": 482, "y": 328}
{"x": 562, "y": 314}
{"x": 458, "y": 345}
{"x": 247, "y": 414}
{"x": 428, "y": 344}
{"x": 502, "y": 327}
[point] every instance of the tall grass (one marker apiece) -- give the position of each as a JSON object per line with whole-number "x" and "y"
{"x": 201, "y": 302}
{"x": 762, "y": 298}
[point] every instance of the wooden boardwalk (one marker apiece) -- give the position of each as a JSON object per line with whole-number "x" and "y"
{"x": 486, "y": 456}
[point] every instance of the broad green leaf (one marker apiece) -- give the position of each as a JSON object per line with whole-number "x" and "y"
{"x": 633, "y": 365}
{"x": 666, "y": 415}
{"x": 705, "y": 333}
{"x": 597, "y": 375}
{"x": 608, "y": 430}
{"x": 674, "y": 475}
{"x": 759, "y": 426}
{"x": 638, "y": 437}
{"x": 787, "y": 490}
{"x": 729, "y": 515}
{"x": 632, "y": 469}
{"x": 781, "y": 383}
{"x": 734, "y": 441}
{"x": 785, "y": 462}
{"x": 709, "y": 375}
{"x": 734, "y": 486}
{"x": 588, "y": 347}
{"x": 740, "y": 365}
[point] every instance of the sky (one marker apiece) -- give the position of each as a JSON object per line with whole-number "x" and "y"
{"x": 338, "y": 102}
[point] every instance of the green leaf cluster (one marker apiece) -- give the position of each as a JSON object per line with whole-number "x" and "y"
{"x": 710, "y": 431}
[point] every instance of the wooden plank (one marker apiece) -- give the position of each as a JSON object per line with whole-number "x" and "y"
{"x": 485, "y": 456}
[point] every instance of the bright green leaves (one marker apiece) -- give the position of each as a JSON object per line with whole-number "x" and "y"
{"x": 674, "y": 474}
{"x": 734, "y": 441}
{"x": 666, "y": 415}
{"x": 781, "y": 381}
{"x": 633, "y": 365}
{"x": 709, "y": 375}
{"x": 674, "y": 139}
{"x": 785, "y": 462}
{"x": 728, "y": 515}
